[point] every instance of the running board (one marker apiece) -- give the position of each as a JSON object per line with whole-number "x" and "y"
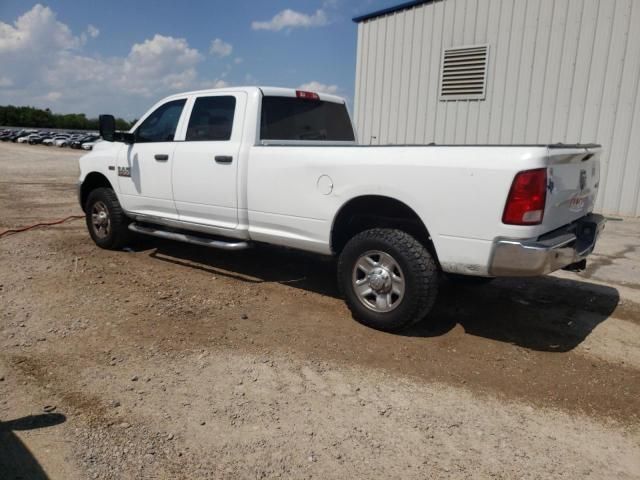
{"x": 192, "y": 239}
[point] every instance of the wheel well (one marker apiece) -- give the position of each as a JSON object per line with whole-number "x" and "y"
{"x": 374, "y": 211}
{"x": 91, "y": 182}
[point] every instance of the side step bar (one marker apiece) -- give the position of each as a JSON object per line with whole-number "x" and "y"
{"x": 194, "y": 240}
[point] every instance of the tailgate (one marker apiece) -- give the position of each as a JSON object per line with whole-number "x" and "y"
{"x": 574, "y": 178}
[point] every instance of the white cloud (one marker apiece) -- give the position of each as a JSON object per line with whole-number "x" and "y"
{"x": 38, "y": 28}
{"x": 238, "y": 60}
{"x": 152, "y": 68}
{"x": 318, "y": 87}
{"x": 217, "y": 83}
{"x": 288, "y": 19}
{"x": 43, "y": 65}
{"x": 220, "y": 48}
{"x": 93, "y": 31}
{"x": 161, "y": 63}
{"x": 53, "y": 96}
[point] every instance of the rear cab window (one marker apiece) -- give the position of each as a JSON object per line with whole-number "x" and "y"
{"x": 302, "y": 119}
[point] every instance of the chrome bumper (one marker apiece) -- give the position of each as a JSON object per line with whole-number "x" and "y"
{"x": 550, "y": 252}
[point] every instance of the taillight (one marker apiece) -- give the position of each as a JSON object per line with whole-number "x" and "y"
{"x": 527, "y": 197}
{"x": 307, "y": 95}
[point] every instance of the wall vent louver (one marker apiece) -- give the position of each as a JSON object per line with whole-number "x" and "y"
{"x": 463, "y": 73}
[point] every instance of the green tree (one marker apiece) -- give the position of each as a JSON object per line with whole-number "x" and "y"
{"x": 38, "y": 118}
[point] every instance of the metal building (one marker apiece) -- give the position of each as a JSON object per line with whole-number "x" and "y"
{"x": 507, "y": 71}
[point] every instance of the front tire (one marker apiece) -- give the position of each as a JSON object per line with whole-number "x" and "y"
{"x": 388, "y": 278}
{"x": 106, "y": 221}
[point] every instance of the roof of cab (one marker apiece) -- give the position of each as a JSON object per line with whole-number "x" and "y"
{"x": 267, "y": 91}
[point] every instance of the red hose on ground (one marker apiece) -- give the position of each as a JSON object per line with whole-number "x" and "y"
{"x": 44, "y": 224}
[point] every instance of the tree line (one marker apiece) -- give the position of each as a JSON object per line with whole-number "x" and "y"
{"x": 38, "y": 118}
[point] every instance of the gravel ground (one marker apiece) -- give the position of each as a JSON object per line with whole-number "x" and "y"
{"x": 171, "y": 361}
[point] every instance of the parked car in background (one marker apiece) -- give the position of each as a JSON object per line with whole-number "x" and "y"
{"x": 77, "y": 143}
{"x": 29, "y": 138}
{"x": 55, "y": 139}
{"x": 19, "y": 134}
{"x": 47, "y": 137}
{"x": 36, "y": 138}
{"x": 90, "y": 145}
{"x": 61, "y": 141}
{"x": 4, "y": 136}
{"x": 42, "y": 138}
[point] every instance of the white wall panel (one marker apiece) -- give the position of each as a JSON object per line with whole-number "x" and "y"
{"x": 559, "y": 71}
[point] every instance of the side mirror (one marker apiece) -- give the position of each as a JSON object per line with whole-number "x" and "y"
{"x": 108, "y": 131}
{"x": 107, "y": 127}
{"x": 128, "y": 138}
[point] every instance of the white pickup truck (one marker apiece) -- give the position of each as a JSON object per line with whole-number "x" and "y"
{"x": 228, "y": 168}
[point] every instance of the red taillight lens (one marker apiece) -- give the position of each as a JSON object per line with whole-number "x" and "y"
{"x": 525, "y": 204}
{"x": 307, "y": 95}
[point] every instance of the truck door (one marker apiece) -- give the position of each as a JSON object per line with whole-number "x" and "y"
{"x": 144, "y": 168}
{"x": 205, "y": 168}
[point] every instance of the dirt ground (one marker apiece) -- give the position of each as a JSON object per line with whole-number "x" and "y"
{"x": 172, "y": 361}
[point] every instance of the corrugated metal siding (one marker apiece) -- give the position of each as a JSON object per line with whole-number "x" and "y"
{"x": 559, "y": 71}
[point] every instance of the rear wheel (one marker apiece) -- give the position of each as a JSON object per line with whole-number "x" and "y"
{"x": 388, "y": 278}
{"x": 106, "y": 221}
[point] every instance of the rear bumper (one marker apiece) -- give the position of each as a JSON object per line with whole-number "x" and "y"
{"x": 550, "y": 252}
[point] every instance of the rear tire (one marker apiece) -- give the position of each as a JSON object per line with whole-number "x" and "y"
{"x": 388, "y": 278}
{"x": 106, "y": 221}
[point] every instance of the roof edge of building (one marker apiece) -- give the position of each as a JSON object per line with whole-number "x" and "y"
{"x": 388, "y": 10}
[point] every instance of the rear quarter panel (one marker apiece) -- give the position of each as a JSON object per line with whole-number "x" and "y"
{"x": 458, "y": 192}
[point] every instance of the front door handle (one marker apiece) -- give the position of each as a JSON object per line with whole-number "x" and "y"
{"x": 161, "y": 157}
{"x": 224, "y": 159}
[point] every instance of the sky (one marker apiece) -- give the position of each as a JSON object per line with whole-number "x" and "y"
{"x": 121, "y": 56}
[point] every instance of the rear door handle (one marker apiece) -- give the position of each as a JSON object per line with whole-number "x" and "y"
{"x": 224, "y": 159}
{"x": 161, "y": 157}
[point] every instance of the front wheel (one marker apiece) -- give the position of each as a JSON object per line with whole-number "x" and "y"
{"x": 106, "y": 221}
{"x": 389, "y": 280}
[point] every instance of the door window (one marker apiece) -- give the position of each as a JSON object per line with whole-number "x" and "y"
{"x": 211, "y": 119}
{"x": 161, "y": 125}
